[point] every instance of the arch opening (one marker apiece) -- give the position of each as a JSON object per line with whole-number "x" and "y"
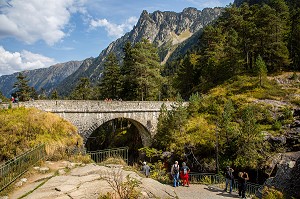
{"x": 120, "y": 132}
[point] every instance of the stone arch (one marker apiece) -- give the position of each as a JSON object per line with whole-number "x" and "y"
{"x": 144, "y": 132}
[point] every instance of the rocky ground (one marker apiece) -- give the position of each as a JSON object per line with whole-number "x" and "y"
{"x": 66, "y": 180}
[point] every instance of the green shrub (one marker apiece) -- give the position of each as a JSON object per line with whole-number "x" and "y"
{"x": 277, "y": 125}
{"x": 271, "y": 193}
{"x": 160, "y": 173}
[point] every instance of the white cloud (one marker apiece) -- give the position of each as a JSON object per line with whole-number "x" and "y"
{"x": 11, "y": 62}
{"x": 114, "y": 30}
{"x": 34, "y": 20}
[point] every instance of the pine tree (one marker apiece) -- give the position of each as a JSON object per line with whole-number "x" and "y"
{"x": 23, "y": 91}
{"x": 110, "y": 84}
{"x": 260, "y": 69}
{"x": 147, "y": 70}
{"x": 294, "y": 40}
{"x": 272, "y": 29}
{"x": 83, "y": 90}
{"x": 54, "y": 95}
{"x": 141, "y": 72}
{"x": 128, "y": 85}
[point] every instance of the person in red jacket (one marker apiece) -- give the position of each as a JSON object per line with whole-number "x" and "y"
{"x": 184, "y": 174}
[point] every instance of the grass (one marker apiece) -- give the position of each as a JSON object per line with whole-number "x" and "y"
{"x": 23, "y": 128}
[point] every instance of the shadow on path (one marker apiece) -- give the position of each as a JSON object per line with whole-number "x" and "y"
{"x": 221, "y": 192}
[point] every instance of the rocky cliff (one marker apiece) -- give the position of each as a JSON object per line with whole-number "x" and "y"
{"x": 44, "y": 78}
{"x": 167, "y": 30}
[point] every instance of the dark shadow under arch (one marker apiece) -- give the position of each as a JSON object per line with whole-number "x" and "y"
{"x": 120, "y": 132}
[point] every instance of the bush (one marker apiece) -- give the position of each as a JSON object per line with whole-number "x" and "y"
{"x": 123, "y": 188}
{"x": 277, "y": 125}
{"x": 160, "y": 173}
{"x": 271, "y": 193}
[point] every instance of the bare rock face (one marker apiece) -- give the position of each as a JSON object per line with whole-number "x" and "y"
{"x": 287, "y": 176}
{"x": 91, "y": 181}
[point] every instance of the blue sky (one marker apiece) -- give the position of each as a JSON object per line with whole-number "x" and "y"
{"x": 40, "y": 33}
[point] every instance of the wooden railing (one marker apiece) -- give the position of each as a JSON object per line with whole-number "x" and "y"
{"x": 12, "y": 169}
{"x": 219, "y": 182}
{"x": 102, "y": 155}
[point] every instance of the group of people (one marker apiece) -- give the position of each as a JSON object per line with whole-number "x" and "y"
{"x": 242, "y": 178}
{"x": 14, "y": 100}
{"x": 180, "y": 174}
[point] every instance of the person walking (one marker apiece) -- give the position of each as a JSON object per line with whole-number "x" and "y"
{"x": 242, "y": 178}
{"x": 146, "y": 169}
{"x": 175, "y": 174}
{"x": 184, "y": 174}
{"x": 229, "y": 178}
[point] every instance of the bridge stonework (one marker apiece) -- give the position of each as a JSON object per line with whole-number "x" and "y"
{"x": 89, "y": 115}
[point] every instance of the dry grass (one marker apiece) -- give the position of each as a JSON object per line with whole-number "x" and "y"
{"x": 23, "y": 128}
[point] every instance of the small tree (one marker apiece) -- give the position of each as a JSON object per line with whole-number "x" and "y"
{"x": 23, "y": 91}
{"x": 260, "y": 69}
{"x": 54, "y": 94}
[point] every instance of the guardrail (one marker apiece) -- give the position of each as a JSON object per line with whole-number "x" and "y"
{"x": 101, "y": 155}
{"x": 219, "y": 182}
{"x": 14, "y": 168}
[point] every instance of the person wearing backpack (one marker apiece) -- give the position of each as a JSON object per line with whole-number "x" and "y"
{"x": 184, "y": 174}
{"x": 229, "y": 178}
{"x": 175, "y": 174}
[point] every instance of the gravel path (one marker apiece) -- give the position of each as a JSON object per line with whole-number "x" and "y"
{"x": 197, "y": 191}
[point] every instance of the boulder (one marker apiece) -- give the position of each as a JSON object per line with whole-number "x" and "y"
{"x": 287, "y": 175}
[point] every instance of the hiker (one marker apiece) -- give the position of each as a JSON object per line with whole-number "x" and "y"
{"x": 229, "y": 178}
{"x": 146, "y": 169}
{"x": 184, "y": 174}
{"x": 242, "y": 178}
{"x": 175, "y": 174}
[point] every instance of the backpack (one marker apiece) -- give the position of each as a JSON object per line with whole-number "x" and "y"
{"x": 184, "y": 171}
{"x": 175, "y": 169}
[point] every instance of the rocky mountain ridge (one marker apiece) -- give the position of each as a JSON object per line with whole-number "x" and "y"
{"x": 169, "y": 31}
{"x": 166, "y": 29}
{"x": 43, "y": 78}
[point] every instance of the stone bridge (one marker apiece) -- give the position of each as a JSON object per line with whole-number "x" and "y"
{"x": 89, "y": 115}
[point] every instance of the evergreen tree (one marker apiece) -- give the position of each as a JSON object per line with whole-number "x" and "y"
{"x": 128, "y": 85}
{"x": 272, "y": 29}
{"x": 294, "y": 40}
{"x": 141, "y": 72}
{"x": 83, "y": 90}
{"x": 186, "y": 77}
{"x": 250, "y": 140}
{"x": 260, "y": 69}
{"x": 54, "y": 95}
{"x": 110, "y": 84}
{"x": 33, "y": 93}
{"x": 23, "y": 91}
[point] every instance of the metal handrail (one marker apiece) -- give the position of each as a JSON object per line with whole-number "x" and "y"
{"x": 219, "y": 181}
{"x": 14, "y": 168}
{"x": 110, "y": 149}
{"x": 102, "y": 155}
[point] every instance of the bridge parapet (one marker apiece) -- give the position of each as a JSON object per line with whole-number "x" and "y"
{"x": 88, "y": 115}
{"x": 89, "y": 106}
